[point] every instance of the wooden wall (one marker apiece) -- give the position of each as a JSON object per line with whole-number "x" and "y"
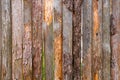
{"x": 59, "y": 39}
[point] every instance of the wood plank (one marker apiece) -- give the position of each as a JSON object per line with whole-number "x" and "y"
{"x": 37, "y": 39}
{"x": 87, "y": 39}
{"x": 6, "y": 41}
{"x": 115, "y": 40}
{"x": 97, "y": 41}
{"x": 67, "y": 40}
{"x": 27, "y": 41}
{"x": 57, "y": 29}
{"x": 77, "y": 39}
{"x": 48, "y": 22}
{"x": 0, "y": 39}
{"x": 17, "y": 41}
{"x": 106, "y": 50}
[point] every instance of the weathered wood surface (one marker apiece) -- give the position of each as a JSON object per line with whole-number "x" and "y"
{"x": 76, "y": 39}
{"x": 48, "y": 28}
{"x": 0, "y": 39}
{"x": 115, "y": 40}
{"x": 87, "y": 40}
{"x": 67, "y": 40}
{"x": 37, "y": 39}
{"x": 27, "y": 41}
{"x": 6, "y": 40}
{"x": 106, "y": 50}
{"x": 97, "y": 40}
{"x": 57, "y": 29}
{"x": 17, "y": 39}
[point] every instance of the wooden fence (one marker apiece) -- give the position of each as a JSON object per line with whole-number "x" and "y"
{"x": 59, "y": 39}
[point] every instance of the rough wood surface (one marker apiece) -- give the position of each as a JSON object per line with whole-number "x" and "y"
{"x": 106, "y": 50}
{"x": 37, "y": 39}
{"x": 67, "y": 42}
{"x": 57, "y": 29}
{"x": 17, "y": 42}
{"x": 76, "y": 39}
{"x": 115, "y": 40}
{"x": 6, "y": 41}
{"x": 97, "y": 40}
{"x": 48, "y": 23}
{"x": 87, "y": 39}
{"x": 27, "y": 41}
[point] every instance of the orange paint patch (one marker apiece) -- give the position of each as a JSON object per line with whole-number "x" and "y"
{"x": 48, "y": 11}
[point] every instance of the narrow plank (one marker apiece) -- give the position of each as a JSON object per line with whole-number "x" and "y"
{"x": 115, "y": 40}
{"x": 6, "y": 41}
{"x": 77, "y": 39}
{"x": 17, "y": 34}
{"x": 67, "y": 40}
{"x": 0, "y": 40}
{"x": 27, "y": 41}
{"x": 106, "y": 50}
{"x": 48, "y": 22}
{"x": 87, "y": 39}
{"x": 97, "y": 40}
{"x": 37, "y": 39}
{"x": 57, "y": 29}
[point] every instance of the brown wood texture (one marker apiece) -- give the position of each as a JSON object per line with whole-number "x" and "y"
{"x": 97, "y": 40}
{"x": 17, "y": 39}
{"x": 37, "y": 39}
{"x": 87, "y": 40}
{"x": 57, "y": 29}
{"x": 106, "y": 50}
{"x": 76, "y": 39}
{"x": 115, "y": 40}
{"x": 27, "y": 41}
{"x": 6, "y": 41}
{"x": 48, "y": 24}
{"x": 67, "y": 40}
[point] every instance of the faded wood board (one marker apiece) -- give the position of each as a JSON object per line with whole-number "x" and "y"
{"x": 37, "y": 39}
{"x": 27, "y": 41}
{"x": 106, "y": 50}
{"x": 97, "y": 40}
{"x": 48, "y": 24}
{"x": 17, "y": 35}
{"x": 115, "y": 40}
{"x": 0, "y": 39}
{"x": 6, "y": 41}
{"x": 67, "y": 41}
{"x": 76, "y": 39}
{"x": 57, "y": 29}
{"x": 87, "y": 39}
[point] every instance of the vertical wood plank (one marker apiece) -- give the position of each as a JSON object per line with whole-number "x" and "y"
{"x": 67, "y": 40}
{"x": 57, "y": 29}
{"x": 17, "y": 42}
{"x": 37, "y": 39}
{"x": 48, "y": 23}
{"x": 77, "y": 39}
{"x": 6, "y": 40}
{"x": 97, "y": 40}
{"x": 106, "y": 50}
{"x": 27, "y": 41}
{"x": 87, "y": 39}
{"x": 0, "y": 39}
{"x": 115, "y": 40}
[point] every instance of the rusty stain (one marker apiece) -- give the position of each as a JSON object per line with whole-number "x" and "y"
{"x": 95, "y": 19}
{"x": 96, "y": 76}
{"x": 48, "y": 11}
{"x": 58, "y": 57}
